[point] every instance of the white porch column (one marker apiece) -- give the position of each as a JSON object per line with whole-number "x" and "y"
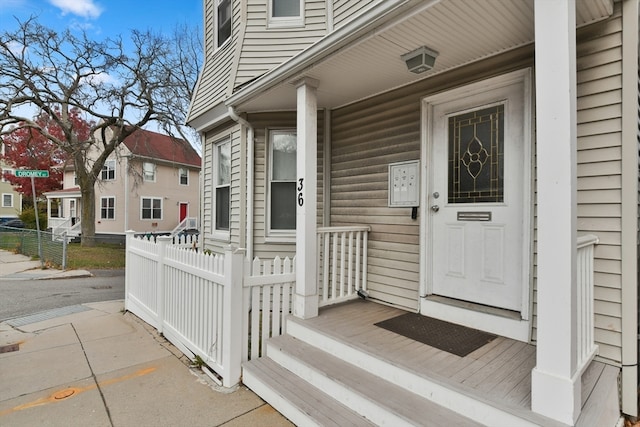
{"x": 555, "y": 382}
{"x": 306, "y": 298}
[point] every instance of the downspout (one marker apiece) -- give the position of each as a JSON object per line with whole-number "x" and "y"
{"x": 203, "y": 144}
{"x": 250, "y": 185}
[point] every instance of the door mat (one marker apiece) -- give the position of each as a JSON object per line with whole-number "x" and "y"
{"x": 454, "y": 339}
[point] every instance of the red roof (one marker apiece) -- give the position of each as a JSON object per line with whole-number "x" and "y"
{"x": 154, "y": 145}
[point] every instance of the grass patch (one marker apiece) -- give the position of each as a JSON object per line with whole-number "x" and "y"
{"x": 101, "y": 256}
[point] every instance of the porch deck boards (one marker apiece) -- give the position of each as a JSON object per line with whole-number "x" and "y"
{"x": 499, "y": 371}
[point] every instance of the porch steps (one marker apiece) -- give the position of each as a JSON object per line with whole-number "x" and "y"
{"x": 365, "y": 393}
{"x": 298, "y": 400}
{"x": 308, "y": 366}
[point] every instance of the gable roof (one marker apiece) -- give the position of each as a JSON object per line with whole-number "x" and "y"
{"x": 153, "y": 145}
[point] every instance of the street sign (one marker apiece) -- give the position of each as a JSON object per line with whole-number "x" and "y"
{"x": 21, "y": 173}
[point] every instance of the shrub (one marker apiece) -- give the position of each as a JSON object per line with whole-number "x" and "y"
{"x": 29, "y": 218}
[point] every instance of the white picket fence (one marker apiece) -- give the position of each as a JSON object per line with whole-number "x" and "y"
{"x": 220, "y": 308}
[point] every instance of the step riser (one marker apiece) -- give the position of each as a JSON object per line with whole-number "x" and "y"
{"x": 460, "y": 403}
{"x": 343, "y": 394}
{"x": 282, "y": 405}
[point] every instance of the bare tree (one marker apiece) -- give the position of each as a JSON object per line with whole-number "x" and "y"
{"x": 118, "y": 86}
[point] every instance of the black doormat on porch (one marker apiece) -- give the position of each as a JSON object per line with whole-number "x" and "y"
{"x": 455, "y": 339}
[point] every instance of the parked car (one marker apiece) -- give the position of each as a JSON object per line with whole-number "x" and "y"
{"x": 13, "y": 223}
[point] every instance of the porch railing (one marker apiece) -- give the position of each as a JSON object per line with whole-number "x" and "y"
{"x": 60, "y": 226}
{"x": 587, "y": 348}
{"x": 342, "y": 263}
{"x": 188, "y": 223}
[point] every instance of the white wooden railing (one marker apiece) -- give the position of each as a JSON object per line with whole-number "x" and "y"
{"x": 188, "y": 223}
{"x": 220, "y": 308}
{"x": 342, "y": 263}
{"x": 53, "y": 223}
{"x": 587, "y": 349}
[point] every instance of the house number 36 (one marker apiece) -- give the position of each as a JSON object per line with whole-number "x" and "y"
{"x": 300, "y": 196}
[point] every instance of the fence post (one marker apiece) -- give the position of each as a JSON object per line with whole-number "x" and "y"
{"x": 127, "y": 266}
{"x": 162, "y": 248}
{"x": 64, "y": 250}
{"x": 233, "y": 316}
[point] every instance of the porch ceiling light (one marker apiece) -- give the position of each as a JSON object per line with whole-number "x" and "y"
{"x": 420, "y": 60}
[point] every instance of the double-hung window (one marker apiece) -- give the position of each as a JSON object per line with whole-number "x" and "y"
{"x": 183, "y": 174}
{"x": 282, "y": 182}
{"x": 223, "y": 18}
{"x": 286, "y": 13}
{"x": 107, "y": 208}
{"x": 108, "y": 170}
{"x": 7, "y": 200}
{"x": 151, "y": 208}
{"x": 149, "y": 171}
{"x": 222, "y": 183}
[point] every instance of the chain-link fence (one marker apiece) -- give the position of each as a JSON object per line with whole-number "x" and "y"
{"x": 25, "y": 242}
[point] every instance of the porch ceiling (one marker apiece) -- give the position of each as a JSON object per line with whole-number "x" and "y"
{"x": 462, "y": 31}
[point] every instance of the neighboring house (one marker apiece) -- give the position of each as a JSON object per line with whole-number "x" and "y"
{"x": 150, "y": 185}
{"x": 477, "y": 175}
{"x": 11, "y": 202}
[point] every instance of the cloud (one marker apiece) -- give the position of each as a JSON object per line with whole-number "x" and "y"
{"x": 15, "y": 47}
{"x": 83, "y": 8}
{"x": 101, "y": 78}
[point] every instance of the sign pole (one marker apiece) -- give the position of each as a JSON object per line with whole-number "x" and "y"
{"x": 37, "y": 214}
{"x": 25, "y": 173}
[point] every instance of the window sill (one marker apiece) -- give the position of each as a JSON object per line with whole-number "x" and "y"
{"x": 220, "y": 236}
{"x": 276, "y": 24}
{"x": 288, "y": 239}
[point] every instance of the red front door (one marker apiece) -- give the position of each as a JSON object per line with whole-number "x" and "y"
{"x": 183, "y": 211}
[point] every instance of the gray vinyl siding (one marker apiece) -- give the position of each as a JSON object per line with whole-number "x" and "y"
{"x": 366, "y": 137}
{"x": 264, "y": 48}
{"x": 346, "y": 10}
{"x": 233, "y": 132}
{"x": 599, "y": 63}
{"x": 214, "y": 83}
{"x": 262, "y": 123}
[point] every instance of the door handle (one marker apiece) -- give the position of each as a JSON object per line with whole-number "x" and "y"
{"x": 435, "y": 208}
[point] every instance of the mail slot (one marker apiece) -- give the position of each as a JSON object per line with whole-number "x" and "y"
{"x": 474, "y": 216}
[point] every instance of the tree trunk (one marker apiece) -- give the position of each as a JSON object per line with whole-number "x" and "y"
{"x": 88, "y": 224}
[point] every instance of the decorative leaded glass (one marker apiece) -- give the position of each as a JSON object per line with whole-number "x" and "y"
{"x": 476, "y": 156}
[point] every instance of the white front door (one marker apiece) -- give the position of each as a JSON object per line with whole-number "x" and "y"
{"x": 477, "y": 195}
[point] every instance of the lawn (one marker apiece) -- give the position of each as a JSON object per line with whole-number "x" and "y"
{"x": 101, "y": 256}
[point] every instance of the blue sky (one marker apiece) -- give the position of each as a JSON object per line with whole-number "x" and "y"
{"x": 104, "y": 18}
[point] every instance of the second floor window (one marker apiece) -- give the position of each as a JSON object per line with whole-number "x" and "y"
{"x": 223, "y": 12}
{"x": 183, "y": 173}
{"x": 149, "y": 171}
{"x": 108, "y": 171}
{"x": 107, "y": 208}
{"x": 151, "y": 208}
{"x": 285, "y": 13}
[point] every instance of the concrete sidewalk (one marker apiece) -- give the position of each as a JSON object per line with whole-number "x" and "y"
{"x": 94, "y": 365}
{"x": 16, "y": 266}
{"x": 99, "y": 366}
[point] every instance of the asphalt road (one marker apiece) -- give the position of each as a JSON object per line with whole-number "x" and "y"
{"x": 24, "y": 297}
